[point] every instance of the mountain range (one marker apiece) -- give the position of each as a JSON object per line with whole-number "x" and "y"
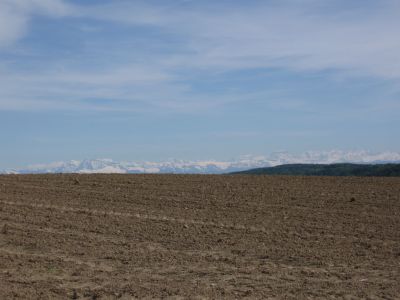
{"x": 210, "y": 166}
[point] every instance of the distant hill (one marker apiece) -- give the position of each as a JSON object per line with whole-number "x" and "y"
{"x": 210, "y": 166}
{"x": 342, "y": 169}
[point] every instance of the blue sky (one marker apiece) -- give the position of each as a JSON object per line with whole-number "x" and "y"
{"x": 151, "y": 80}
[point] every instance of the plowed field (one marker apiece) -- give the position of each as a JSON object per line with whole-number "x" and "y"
{"x": 192, "y": 236}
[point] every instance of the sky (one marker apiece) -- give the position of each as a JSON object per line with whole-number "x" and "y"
{"x": 155, "y": 79}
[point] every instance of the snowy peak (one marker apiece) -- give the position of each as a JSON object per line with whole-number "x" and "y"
{"x": 209, "y": 166}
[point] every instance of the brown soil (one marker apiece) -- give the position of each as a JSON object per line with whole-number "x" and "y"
{"x": 192, "y": 236}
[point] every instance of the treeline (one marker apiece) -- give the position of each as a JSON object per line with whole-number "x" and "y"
{"x": 343, "y": 169}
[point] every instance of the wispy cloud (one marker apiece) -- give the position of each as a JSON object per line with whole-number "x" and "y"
{"x": 306, "y": 35}
{"x": 168, "y": 45}
{"x": 16, "y": 14}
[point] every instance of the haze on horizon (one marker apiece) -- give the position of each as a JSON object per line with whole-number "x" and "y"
{"x": 151, "y": 80}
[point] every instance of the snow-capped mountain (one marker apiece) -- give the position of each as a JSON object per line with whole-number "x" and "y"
{"x": 209, "y": 166}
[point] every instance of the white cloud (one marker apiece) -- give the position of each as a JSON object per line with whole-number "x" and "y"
{"x": 301, "y": 36}
{"x": 12, "y": 25}
{"x": 295, "y": 35}
{"x": 50, "y": 7}
{"x": 15, "y": 16}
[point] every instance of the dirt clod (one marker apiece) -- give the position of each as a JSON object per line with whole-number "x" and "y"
{"x": 4, "y": 229}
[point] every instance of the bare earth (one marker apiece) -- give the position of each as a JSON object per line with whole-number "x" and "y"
{"x": 196, "y": 237}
